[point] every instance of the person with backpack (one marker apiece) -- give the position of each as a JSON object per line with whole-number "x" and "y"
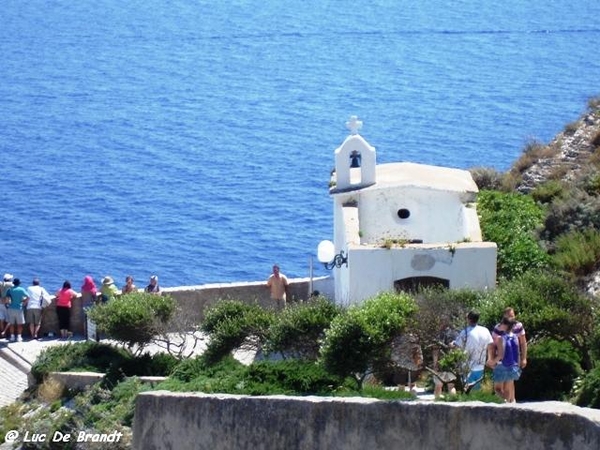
{"x": 507, "y": 360}
{"x": 475, "y": 340}
{"x": 39, "y": 299}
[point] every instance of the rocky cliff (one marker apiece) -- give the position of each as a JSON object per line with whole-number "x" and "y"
{"x": 567, "y": 157}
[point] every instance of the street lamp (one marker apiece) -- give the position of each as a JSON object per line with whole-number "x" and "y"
{"x": 326, "y": 254}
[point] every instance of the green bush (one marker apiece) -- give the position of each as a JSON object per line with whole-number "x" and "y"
{"x": 375, "y": 391}
{"x": 85, "y": 356}
{"x": 231, "y": 323}
{"x": 439, "y": 307}
{"x": 576, "y": 211}
{"x": 361, "y": 338}
{"x": 300, "y": 328}
{"x": 552, "y": 368}
{"x": 198, "y": 374}
{"x": 134, "y": 319}
{"x": 589, "y": 391}
{"x": 511, "y": 221}
{"x": 578, "y": 252}
{"x": 290, "y": 377}
{"x": 103, "y": 358}
{"x": 548, "y": 191}
{"x": 108, "y": 410}
{"x": 547, "y": 305}
{"x": 473, "y": 396}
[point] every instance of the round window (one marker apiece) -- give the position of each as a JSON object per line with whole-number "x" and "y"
{"x": 403, "y": 213}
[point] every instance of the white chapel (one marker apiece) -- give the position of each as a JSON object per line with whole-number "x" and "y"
{"x": 400, "y": 226}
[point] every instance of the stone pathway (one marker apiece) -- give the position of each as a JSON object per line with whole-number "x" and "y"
{"x": 12, "y": 382}
{"x": 16, "y": 359}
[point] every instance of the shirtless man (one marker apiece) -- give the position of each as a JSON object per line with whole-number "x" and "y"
{"x": 278, "y": 285}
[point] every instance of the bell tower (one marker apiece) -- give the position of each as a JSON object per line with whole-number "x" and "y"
{"x": 355, "y": 160}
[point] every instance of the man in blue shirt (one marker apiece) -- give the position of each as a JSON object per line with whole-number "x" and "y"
{"x": 16, "y": 298}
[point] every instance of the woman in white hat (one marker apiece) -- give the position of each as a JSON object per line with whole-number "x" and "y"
{"x": 108, "y": 289}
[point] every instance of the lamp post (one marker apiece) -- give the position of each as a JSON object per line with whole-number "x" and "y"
{"x": 326, "y": 254}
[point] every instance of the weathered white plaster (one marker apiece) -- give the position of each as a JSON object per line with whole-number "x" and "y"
{"x": 403, "y": 220}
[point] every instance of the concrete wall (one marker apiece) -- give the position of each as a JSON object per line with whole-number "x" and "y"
{"x": 219, "y": 422}
{"x": 194, "y": 299}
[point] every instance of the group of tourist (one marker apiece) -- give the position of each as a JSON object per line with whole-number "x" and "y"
{"x": 20, "y": 306}
{"x": 504, "y": 350}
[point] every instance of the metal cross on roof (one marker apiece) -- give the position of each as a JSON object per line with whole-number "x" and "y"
{"x": 354, "y": 124}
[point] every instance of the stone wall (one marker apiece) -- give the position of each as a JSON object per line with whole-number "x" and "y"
{"x": 223, "y": 422}
{"x": 195, "y": 299}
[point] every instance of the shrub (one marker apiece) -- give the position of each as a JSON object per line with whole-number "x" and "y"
{"x": 590, "y": 182}
{"x": 552, "y": 368}
{"x": 576, "y": 211}
{"x": 86, "y": 356}
{"x": 438, "y": 308}
{"x": 593, "y": 104}
{"x": 532, "y": 153}
{"x": 361, "y": 338}
{"x": 589, "y": 391}
{"x": 548, "y": 306}
{"x": 134, "y": 319}
{"x": 107, "y": 409}
{"x": 300, "y": 328}
{"x": 291, "y": 377}
{"x": 97, "y": 357}
{"x": 232, "y": 324}
{"x": 511, "y": 220}
{"x": 578, "y": 252}
{"x": 473, "y": 396}
{"x": 548, "y": 191}
{"x": 374, "y": 391}
{"x": 487, "y": 178}
{"x": 596, "y": 140}
{"x": 197, "y": 375}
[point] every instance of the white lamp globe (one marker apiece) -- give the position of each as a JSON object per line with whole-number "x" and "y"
{"x": 325, "y": 251}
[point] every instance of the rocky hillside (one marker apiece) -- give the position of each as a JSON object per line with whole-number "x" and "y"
{"x": 573, "y": 158}
{"x": 571, "y": 153}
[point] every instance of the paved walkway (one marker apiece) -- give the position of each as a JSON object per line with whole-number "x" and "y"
{"x": 16, "y": 359}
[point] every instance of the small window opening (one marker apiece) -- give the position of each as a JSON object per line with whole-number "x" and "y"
{"x": 403, "y": 213}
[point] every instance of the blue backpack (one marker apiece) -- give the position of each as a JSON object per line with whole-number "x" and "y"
{"x": 511, "y": 350}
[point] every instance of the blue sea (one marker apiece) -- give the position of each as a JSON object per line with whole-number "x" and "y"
{"x": 194, "y": 139}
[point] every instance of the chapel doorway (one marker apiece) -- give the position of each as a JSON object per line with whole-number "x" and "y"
{"x": 415, "y": 284}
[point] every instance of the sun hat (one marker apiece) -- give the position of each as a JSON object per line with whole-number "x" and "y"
{"x": 8, "y": 277}
{"x": 108, "y": 280}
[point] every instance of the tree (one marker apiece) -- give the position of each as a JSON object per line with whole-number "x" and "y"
{"x": 233, "y": 324}
{"x": 549, "y": 307}
{"x": 299, "y": 329}
{"x": 135, "y": 318}
{"x": 442, "y": 313}
{"x": 361, "y": 338}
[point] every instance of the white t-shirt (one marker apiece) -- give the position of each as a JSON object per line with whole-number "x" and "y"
{"x": 475, "y": 341}
{"x": 35, "y": 297}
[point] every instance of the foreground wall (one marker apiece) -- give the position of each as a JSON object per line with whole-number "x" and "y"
{"x": 166, "y": 420}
